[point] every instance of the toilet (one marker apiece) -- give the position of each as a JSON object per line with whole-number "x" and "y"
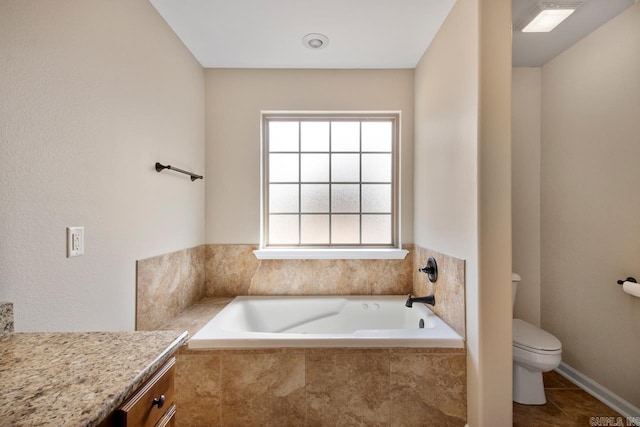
{"x": 534, "y": 351}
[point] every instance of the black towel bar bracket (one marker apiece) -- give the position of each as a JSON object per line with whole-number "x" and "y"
{"x": 160, "y": 167}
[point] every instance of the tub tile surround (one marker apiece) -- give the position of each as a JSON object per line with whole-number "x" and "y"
{"x": 428, "y": 384}
{"x": 168, "y": 284}
{"x": 348, "y": 388}
{"x": 196, "y": 316}
{"x": 6, "y": 319}
{"x": 233, "y": 270}
{"x": 229, "y": 269}
{"x": 261, "y": 386}
{"x": 198, "y": 391}
{"x": 449, "y": 289}
{"x": 316, "y": 387}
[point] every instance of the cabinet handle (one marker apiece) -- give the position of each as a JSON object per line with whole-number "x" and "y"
{"x": 158, "y": 401}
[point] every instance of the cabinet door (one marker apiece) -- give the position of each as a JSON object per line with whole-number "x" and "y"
{"x": 152, "y": 401}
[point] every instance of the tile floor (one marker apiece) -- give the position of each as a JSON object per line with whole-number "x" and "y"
{"x": 567, "y": 405}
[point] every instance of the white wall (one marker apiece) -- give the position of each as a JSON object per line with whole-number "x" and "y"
{"x": 525, "y": 195}
{"x": 234, "y": 100}
{"x": 93, "y": 93}
{"x": 462, "y": 185}
{"x": 591, "y": 203}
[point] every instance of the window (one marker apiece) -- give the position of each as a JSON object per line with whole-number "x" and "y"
{"x": 330, "y": 180}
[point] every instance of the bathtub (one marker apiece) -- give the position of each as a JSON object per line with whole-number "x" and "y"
{"x": 324, "y": 321}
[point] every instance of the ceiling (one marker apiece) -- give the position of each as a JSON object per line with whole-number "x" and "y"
{"x": 268, "y": 34}
{"x": 362, "y": 33}
{"x": 536, "y": 49}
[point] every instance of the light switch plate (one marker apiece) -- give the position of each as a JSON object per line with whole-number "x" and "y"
{"x": 75, "y": 241}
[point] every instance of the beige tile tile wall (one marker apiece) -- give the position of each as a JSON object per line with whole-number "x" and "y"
{"x": 234, "y": 270}
{"x": 348, "y": 388}
{"x": 166, "y": 285}
{"x": 449, "y": 289}
{"x": 229, "y": 269}
{"x": 428, "y": 384}
{"x": 262, "y": 388}
{"x": 318, "y": 387}
{"x": 198, "y": 390}
{"x": 195, "y": 317}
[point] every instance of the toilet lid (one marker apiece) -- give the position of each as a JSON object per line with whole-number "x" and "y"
{"x": 525, "y": 335}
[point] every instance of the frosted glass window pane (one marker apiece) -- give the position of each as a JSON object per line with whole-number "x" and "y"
{"x": 345, "y": 229}
{"x": 376, "y": 168}
{"x": 283, "y": 198}
{"x": 283, "y": 229}
{"x": 376, "y": 229}
{"x": 376, "y": 136}
{"x": 345, "y": 167}
{"x": 314, "y": 229}
{"x": 315, "y": 167}
{"x": 315, "y": 198}
{"x": 314, "y": 136}
{"x": 345, "y": 136}
{"x": 376, "y": 198}
{"x": 283, "y": 168}
{"x": 283, "y": 136}
{"x": 345, "y": 198}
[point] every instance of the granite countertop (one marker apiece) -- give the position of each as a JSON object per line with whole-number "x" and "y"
{"x": 76, "y": 378}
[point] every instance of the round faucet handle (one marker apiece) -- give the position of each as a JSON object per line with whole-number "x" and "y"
{"x": 431, "y": 269}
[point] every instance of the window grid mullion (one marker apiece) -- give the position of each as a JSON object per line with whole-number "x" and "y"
{"x": 360, "y": 185}
{"x": 299, "y": 182}
{"x": 330, "y": 182}
{"x": 337, "y": 213}
{"x": 325, "y": 152}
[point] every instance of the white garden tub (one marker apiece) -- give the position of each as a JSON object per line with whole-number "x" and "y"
{"x": 324, "y": 321}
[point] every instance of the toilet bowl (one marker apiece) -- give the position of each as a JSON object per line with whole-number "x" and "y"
{"x": 534, "y": 351}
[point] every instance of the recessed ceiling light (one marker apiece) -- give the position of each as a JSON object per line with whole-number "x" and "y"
{"x": 546, "y": 15}
{"x": 315, "y": 41}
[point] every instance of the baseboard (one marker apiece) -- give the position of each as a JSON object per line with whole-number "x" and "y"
{"x": 601, "y": 393}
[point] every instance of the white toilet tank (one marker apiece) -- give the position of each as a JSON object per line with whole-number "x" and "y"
{"x": 515, "y": 279}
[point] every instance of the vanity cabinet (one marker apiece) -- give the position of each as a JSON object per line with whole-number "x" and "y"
{"x": 152, "y": 405}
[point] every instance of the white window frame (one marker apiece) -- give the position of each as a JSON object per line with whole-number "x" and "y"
{"x": 360, "y": 251}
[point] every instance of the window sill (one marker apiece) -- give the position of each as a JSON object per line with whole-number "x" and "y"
{"x": 330, "y": 253}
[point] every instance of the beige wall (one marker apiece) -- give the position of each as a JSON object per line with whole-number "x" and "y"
{"x": 591, "y": 203}
{"x": 93, "y": 94}
{"x": 494, "y": 286}
{"x": 462, "y": 187}
{"x": 234, "y": 99}
{"x": 96, "y": 92}
{"x": 446, "y": 139}
{"x": 525, "y": 195}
